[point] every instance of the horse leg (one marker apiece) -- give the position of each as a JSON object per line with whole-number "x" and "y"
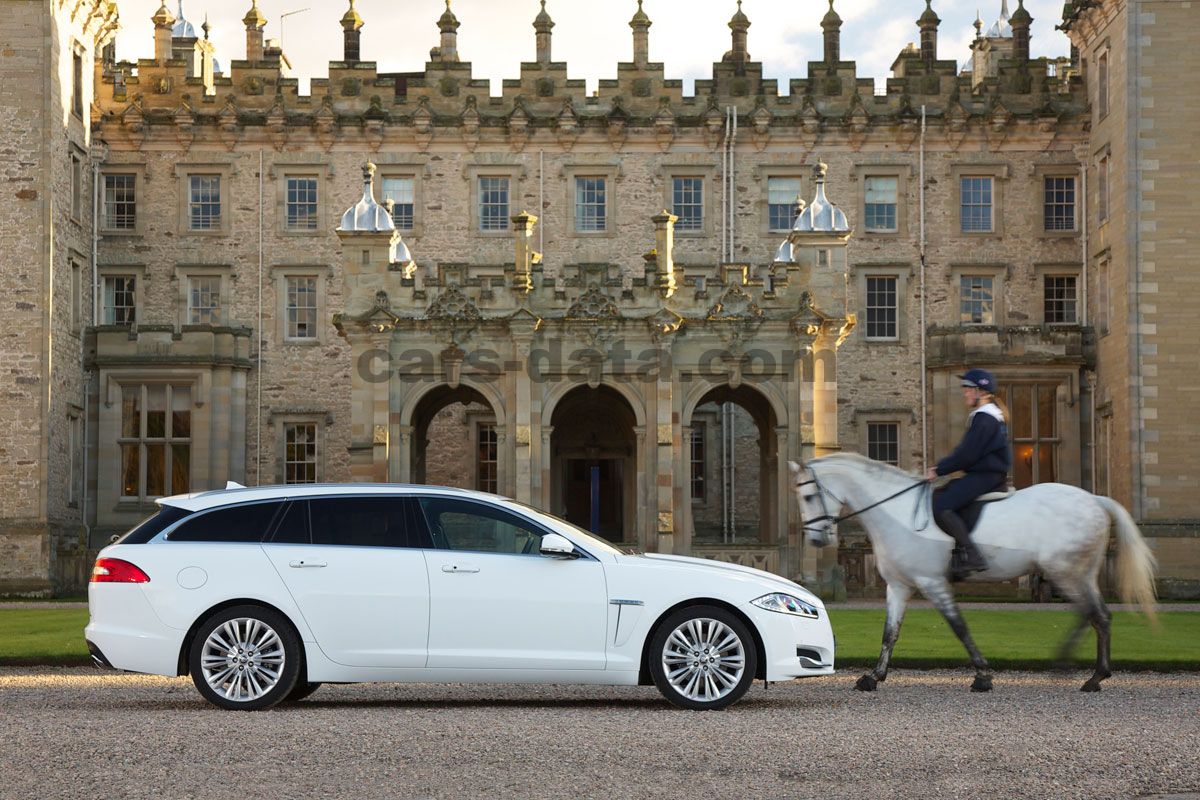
{"x": 1101, "y": 619}
{"x": 897, "y": 599}
{"x": 938, "y": 592}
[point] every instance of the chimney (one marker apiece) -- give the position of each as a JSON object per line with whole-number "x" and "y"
{"x": 1020, "y": 22}
{"x": 928, "y": 23}
{"x": 832, "y": 25}
{"x": 254, "y": 35}
{"x": 542, "y": 24}
{"x": 664, "y": 247}
{"x": 641, "y": 37}
{"x": 739, "y": 25}
{"x": 163, "y": 21}
{"x": 351, "y": 35}
{"x": 448, "y": 25}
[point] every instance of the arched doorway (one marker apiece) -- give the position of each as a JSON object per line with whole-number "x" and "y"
{"x": 732, "y": 468}
{"x": 456, "y": 440}
{"x": 593, "y": 450}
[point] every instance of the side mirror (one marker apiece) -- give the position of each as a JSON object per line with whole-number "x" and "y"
{"x": 557, "y": 546}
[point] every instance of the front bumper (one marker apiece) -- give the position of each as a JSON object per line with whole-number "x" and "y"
{"x": 795, "y": 647}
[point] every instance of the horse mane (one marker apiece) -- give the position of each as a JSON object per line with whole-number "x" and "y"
{"x": 872, "y": 467}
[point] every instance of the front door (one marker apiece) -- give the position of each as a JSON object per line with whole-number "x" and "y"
{"x": 593, "y": 496}
{"x": 356, "y": 570}
{"x": 497, "y": 603}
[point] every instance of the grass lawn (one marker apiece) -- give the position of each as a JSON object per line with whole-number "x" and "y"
{"x": 1014, "y": 639}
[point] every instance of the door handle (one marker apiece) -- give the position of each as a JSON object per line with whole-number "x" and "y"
{"x": 458, "y": 568}
{"x": 307, "y": 564}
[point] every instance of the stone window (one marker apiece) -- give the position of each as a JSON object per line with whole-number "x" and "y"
{"x": 883, "y": 442}
{"x": 401, "y": 190}
{"x": 74, "y": 455}
{"x": 120, "y": 299}
{"x": 1058, "y": 204}
{"x": 880, "y": 199}
{"x": 76, "y": 187}
{"x": 155, "y": 440}
{"x": 1060, "y": 299}
{"x": 782, "y": 194}
{"x": 1103, "y": 300}
{"x": 1102, "y": 85}
{"x": 302, "y": 211}
{"x": 976, "y": 203}
{"x": 204, "y": 300}
{"x": 697, "y": 460}
{"x": 1034, "y": 431}
{"x": 76, "y": 297}
{"x": 300, "y": 452}
{"x": 591, "y": 203}
{"x": 1102, "y": 189}
{"x": 487, "y": 457}
{"x": 493, "y": 202}
{"x": 204, "y": 202}
{"x": 301, "y": 305}
{"x": 687, "y": 202}
{"x": 120, "y": 202}
{"x": 882, "y": 307}
{"x": 976, "y": 300}
{"x": 77, "y": 83}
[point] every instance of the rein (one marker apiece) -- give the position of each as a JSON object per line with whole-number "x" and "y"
{"x": 924, "y": 485}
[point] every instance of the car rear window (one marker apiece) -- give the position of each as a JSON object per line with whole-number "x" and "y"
{"x": 150, "y": 527}
{"x": 245, "y": 523}
{"x": 365, "y": 522}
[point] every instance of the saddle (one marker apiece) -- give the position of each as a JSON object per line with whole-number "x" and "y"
{"x": 971, "y": 514}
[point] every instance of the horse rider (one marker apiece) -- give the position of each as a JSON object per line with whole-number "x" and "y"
{"x": 983, "y": 455}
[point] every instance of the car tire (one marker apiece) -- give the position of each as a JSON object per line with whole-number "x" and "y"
{"x": 302, "y": 690}
{"x": 702, "y": 658}
{"x": 245, "y": 658}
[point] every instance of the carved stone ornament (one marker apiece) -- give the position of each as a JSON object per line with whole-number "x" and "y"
{"x": 453, "y": 305}
{"x": 593, "y": 304}
{"x": 252, "y": 85}
{"x": 735, "y": 304}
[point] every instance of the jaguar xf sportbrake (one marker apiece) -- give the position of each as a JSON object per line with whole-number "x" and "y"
{"x": 263, "y": 594}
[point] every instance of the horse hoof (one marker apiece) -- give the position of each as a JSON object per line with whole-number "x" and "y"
{"x": 1090, "y": 686}
{"x": 982, "y": 684}
{"x": 866, "y": 683}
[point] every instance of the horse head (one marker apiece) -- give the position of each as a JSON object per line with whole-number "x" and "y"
{"x": 815, "y": 518}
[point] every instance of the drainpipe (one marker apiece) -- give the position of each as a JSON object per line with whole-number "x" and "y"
{"x": 1134, "y": 238}
{"x": 259, "y": 332}
{"x": 87, "y": 375}
{"x": 541, "y": 202}
{"x": 924, "y": 357}
{"x": 733, "y": 186}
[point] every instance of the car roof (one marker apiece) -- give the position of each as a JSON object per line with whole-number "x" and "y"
{"x": 201, "y": 501}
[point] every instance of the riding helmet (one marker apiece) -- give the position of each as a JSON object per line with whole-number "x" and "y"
{"x": 979, "y": 379}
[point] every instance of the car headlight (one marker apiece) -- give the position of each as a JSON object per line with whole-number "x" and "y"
{"x": 786, "y": 604}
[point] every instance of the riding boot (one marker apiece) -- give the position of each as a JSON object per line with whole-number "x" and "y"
{"x": 973, "y": 560}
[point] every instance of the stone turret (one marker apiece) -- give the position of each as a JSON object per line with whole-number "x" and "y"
{"x": 641, "y": 36}
{"x": 164, "y": 22}
{"x": 1020, "y": 21}
{"x": 448, "y": 25}
{"x": 739, "y": 25}
{"x": 832, "y": 25}
{"x": 928, "y": 23}
{"x": 255, "y": 21}
{"x": 542, "y": 24}
{"x": 351, "y": 35}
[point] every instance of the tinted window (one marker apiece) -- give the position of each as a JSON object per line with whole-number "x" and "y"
{"x": 364, "y": 522}
{"x": 463, "y": 525}
{"x": 151, "y": 527}
{"x": 293, "y": 525}
{"x": 248, "y": 523}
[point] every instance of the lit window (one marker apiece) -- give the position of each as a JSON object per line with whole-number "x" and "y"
{"x": 493, "y": 204}
{"x": 687, "y": 199}
{"x": 696, "y": 459}
{"x": 782, "y": 194}
{"x": 879, "y": 210}
{"x": 591, "y": 210}
{"x": 1034, "y": 431}
{"x": 1059, "y": 203}
{"x": 976, "y": 213}
{"x": 301, "y": 308}
{"x": 301, "y": 204}
{"x": 204, "y": 202}
{"x": 402, "y": 194}
{"x": 300, "y": 452}
{"x": 883, "y": 442}
{"x": 977, "y": 305}
{"x": 120, "y": 202}
{"x": 1060, "y": 299}
{"x": 120, "y": 299}
{"x": 155, "y": 440}
{"x": 204, "y": 300}
{"x": 882, "y": 309}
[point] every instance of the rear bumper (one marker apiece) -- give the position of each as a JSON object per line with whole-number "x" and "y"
{"x": 126, "y": 633}
{"x": 795, "y": 647}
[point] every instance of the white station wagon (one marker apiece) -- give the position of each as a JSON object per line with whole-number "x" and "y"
{"x": 263, "y": 594}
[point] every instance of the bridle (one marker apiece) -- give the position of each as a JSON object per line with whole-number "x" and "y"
{"x": 809, "y": 525}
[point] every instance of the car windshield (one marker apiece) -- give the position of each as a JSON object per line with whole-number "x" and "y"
{"x": 589, "y": 539}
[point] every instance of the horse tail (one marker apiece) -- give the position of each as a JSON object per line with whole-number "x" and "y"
{"x": 1135, "y": 563}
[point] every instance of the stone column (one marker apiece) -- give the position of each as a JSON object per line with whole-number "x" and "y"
{"x": 163, "y": 19}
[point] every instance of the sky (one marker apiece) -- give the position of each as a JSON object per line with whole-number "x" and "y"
{"x": 687, "y": 36}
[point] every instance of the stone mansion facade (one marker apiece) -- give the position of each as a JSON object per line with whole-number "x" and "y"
{"x": 630, "y": 308}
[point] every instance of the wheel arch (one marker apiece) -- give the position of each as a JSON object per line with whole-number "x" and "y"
{"x": 760, "y": 650}
{"x": 189, "y": 637}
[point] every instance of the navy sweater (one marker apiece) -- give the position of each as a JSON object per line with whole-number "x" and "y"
{"x": 984, "y": 447}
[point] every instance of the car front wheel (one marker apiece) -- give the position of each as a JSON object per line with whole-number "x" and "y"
{"x": 702, "y": 658}
{"x": 245, "y": 658}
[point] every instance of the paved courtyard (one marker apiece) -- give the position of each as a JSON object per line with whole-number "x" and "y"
{"x": 81, "y": 733}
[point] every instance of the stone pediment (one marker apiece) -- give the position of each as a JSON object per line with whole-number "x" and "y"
{"x": 379, "y": 318}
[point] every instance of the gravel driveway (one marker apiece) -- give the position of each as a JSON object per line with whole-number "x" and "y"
{"x": 81, "y": 733}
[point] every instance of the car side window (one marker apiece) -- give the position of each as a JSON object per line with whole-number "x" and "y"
{"x": 245, "y": 523}
{"x": 293, "y": 525}
{"x": 463, "y": 525}
{"x": 364, "y": 522}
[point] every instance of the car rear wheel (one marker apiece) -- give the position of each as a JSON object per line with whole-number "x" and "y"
{"x": 702, "y": 658}
{"x": 245, "y": 658}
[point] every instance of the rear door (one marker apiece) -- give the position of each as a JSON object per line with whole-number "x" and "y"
{"x": 497, "y": 603}
{"x": 356, "y": 569}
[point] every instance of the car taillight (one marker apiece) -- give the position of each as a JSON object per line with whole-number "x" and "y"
{"x": 114, "y": 570}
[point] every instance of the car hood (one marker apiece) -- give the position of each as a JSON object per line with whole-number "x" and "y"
{"x": 774, "y": 581}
